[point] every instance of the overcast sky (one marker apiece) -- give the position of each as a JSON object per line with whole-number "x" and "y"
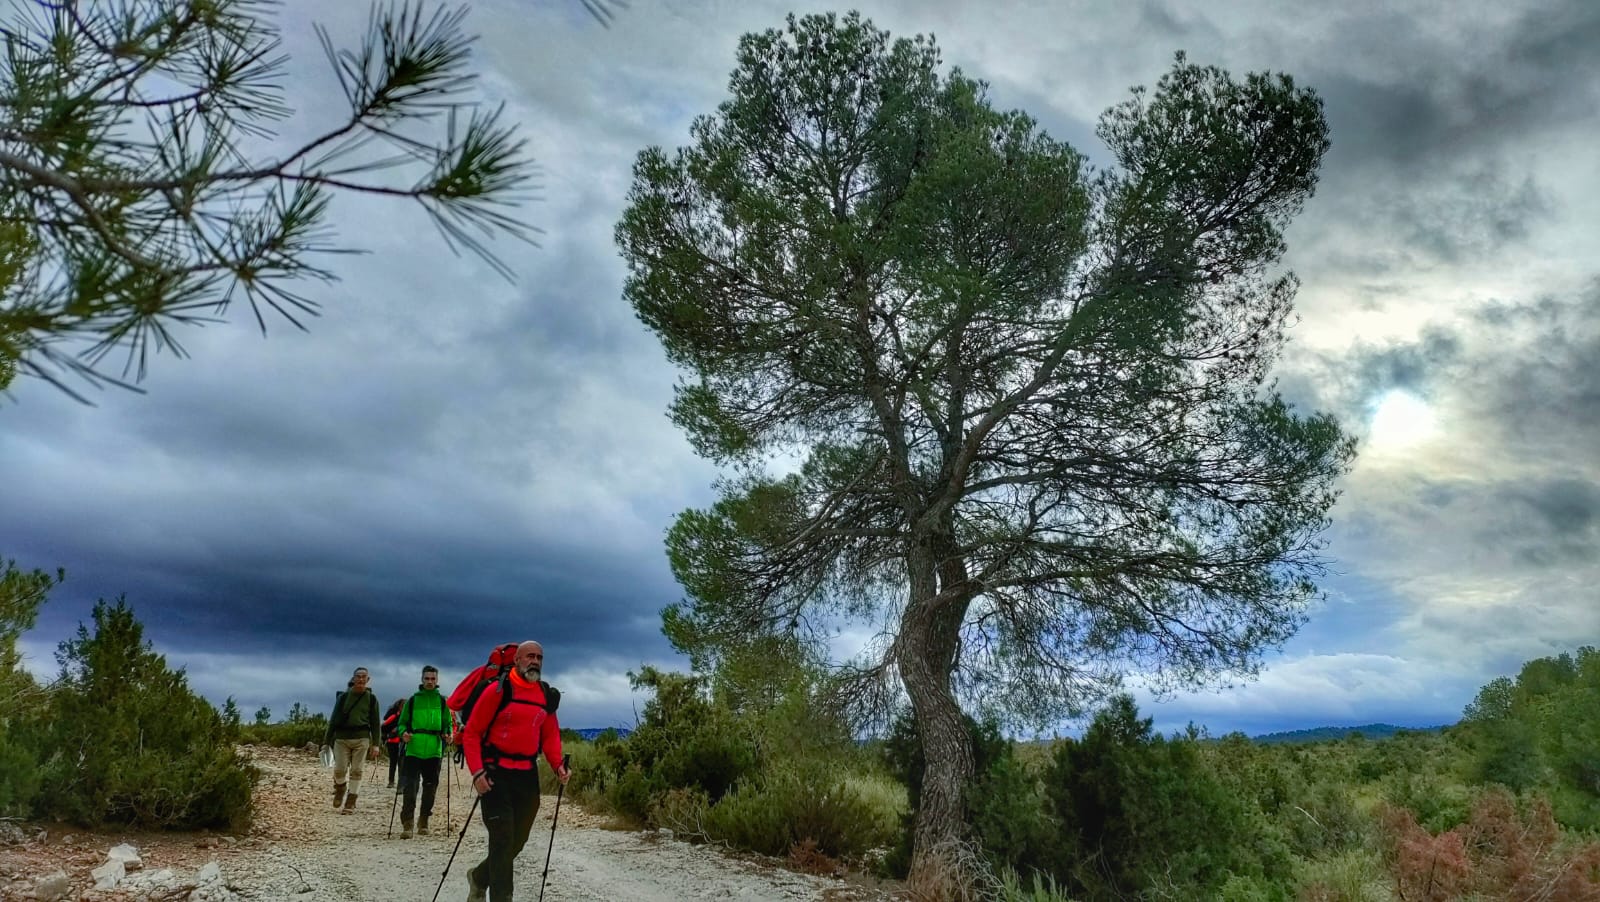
{"x": 447, "y": 460}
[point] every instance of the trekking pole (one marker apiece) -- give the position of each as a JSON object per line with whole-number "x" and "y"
{"x": 398, "y": 785}
{"x": 560, "y": 788}
{"x": 459, "y": 838}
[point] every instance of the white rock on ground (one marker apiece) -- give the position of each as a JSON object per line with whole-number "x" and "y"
{"x": 108, "y": 875}
{"x": 52, "y": 887}
{"x": 127, "y": 854}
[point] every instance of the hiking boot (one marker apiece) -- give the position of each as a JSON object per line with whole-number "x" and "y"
{"x": 475, "y": 892}
{"x": 338, "y": 794}
{"x": 405, "y": 829}
{"x": 349, "y": 804}
{"x": 422, "y": 827}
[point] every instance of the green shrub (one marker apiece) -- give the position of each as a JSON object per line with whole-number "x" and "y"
{"x": 796, "y": 801}
{"x": 22, "y": 725}
{"x": 288, "y": 734}
{"x": 1140, "y": 814}
{"x": 23, "y": 703}
{"x": 1438, "y": 804}
{"x": 682, "y": 811}
{"x": 1009, "y": 817}
{"x": 633, "y": 792}
{"x": 1357, "y": 875}
{"x": 1040, "y": 888}
{"x": 132, "y": 743}
{"x": 1323, "y": 819}
{"x": 711, "y": 755}
{"x": 1252, "y": 888}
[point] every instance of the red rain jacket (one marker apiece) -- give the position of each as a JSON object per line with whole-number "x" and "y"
{"x": 521, "y": 732}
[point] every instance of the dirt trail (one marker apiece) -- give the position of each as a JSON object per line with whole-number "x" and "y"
{"x": 301, "y": 849}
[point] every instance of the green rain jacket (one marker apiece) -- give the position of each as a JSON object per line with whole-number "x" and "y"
{"x": 428, "y": 721}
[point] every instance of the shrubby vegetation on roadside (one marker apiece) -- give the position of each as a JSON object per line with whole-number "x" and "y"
{"x": 299, "y": 728}
{"x": 1124, "y": 813}
{"x": 749, "y": 757}
{"x": 118, "y": 737}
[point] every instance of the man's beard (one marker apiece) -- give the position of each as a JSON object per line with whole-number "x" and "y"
{"x": 531, "y": 674}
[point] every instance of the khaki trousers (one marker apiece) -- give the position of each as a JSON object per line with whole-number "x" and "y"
{"x": 349, "y": 756}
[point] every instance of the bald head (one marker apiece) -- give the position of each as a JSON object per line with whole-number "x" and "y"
{"x": 530, "y": 660}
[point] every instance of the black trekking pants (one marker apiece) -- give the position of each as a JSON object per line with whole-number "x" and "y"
{"x": 508, "y": 811}
{"x": 427, "y": 769}
{"x": 393, "y": 751}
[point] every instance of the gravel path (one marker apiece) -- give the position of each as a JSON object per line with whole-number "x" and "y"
{"x": 301, "y": 849}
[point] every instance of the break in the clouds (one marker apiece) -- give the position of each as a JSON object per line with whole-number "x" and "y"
{"x": 446, "y": 460}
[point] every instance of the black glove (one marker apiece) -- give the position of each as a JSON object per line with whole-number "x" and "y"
{"x": 459, "y": 757}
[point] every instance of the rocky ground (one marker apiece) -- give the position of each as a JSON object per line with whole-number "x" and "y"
{"x": 300, "y": 849}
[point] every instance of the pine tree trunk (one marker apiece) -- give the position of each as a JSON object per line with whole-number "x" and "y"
{"x": 926, "y": 655}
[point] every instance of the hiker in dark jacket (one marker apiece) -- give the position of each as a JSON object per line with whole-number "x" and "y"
{"x": 391, "y": 737}
{"x": 352, "y": 731}
{"x": 424, "y": 730}
{"x": 503, "y": 740}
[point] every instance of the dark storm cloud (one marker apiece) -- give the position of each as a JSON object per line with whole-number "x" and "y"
{"x": 1405, "y": 92}
{"x": 1544, "y": 388}
{"x": 1438, "y": 131}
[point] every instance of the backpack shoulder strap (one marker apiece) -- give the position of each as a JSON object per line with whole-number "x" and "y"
{"x": 505, "y": 698}
{"x": 552, "y": 696}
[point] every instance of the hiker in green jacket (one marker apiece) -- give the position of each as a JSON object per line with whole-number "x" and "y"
{"x": 424, "y": 731}
{"x": 352, "y": 730}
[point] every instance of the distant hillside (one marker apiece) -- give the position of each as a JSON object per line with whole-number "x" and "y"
{"x": 1328, "y": 734}
{"x": 590, "y": 733}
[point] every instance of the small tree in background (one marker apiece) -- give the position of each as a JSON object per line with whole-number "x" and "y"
{"x": 23, "y": 702}
{"x": 132, "y": 743}
{"x": 1140, "y": 815}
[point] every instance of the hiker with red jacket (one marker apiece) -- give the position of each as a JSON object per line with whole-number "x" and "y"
{"x": 513, "y": 722}
{"x": 391, "y": 736}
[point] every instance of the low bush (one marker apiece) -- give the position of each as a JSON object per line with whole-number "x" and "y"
{"x": 633, "y": 792}
{"x": 1140, "y": 815}
{"x": 131, "y": 743}
{"x": 796, "y": 801}
{"x": 1038, "y": 888}
{"x": 288, "y": 734}
{"x": 1356, "y": 875}
{"x": 1502, "y": 851}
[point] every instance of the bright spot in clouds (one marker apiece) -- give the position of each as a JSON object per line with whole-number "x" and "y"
{"x": 1400, "y": 419}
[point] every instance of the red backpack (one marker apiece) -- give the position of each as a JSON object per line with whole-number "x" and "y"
{"x": 469, "y": 689}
